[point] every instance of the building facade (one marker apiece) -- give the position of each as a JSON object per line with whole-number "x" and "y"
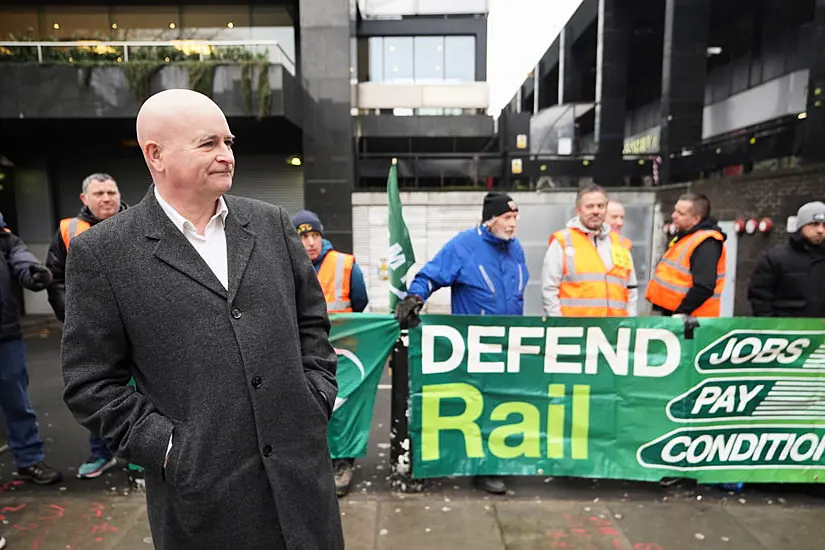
{"x": 636, "y": 92}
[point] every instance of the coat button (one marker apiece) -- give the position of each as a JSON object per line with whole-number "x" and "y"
{"x": 256, "y": 382}
{"x": 267, "y": 450}
{"x": 236, "y": 313}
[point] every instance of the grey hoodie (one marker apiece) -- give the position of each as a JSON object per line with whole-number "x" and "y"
{"x": 551, "y": 273}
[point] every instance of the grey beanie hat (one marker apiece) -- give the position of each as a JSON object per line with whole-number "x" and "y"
{"x": 813, "y": 212}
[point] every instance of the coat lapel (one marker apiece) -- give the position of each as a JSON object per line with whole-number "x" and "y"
{"x": 175, "y": 250}
{"x": 240, "y": 241}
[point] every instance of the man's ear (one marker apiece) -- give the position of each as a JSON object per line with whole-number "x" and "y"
{"x": 152, "y": 152}
{"x": 83, "y": 199}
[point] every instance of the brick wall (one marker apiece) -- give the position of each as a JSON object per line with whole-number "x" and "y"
{"x": 776, "y": 195}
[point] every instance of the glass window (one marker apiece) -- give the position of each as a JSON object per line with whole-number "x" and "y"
{"x": 15, "y": 24}
{"x": 149, "y": 23}
{"x": 274, "y": 23}
{"x": 398, "y": 60}
{"x": 460, "y": 58}
{"x": 376, "y": 60}
{"x": 429, "y": 59}
{"x": 215, "y": 23}
{"x": 77, "y": 23}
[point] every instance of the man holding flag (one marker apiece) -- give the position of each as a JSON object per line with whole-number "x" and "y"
{"x": 486, "y": 270}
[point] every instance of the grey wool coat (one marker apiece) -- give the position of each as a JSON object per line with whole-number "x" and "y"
{"x": 243, "y": 380}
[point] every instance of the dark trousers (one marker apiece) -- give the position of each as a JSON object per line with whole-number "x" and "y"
{"x": 21, "y": 422}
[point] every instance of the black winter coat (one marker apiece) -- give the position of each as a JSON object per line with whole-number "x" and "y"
{"x": 56, "y": 262}
{"x": 14, "y": 273}
{"x": 789, "y": 281}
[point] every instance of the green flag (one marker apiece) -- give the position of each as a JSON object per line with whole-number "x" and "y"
{"x": 402, "y": 256}
{"x": 362, "y": 341}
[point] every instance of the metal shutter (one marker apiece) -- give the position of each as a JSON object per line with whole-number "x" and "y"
{"x": 270, "y": 179}
{"x": 130, "y": 173}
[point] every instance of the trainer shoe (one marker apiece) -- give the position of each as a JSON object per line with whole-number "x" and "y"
{"x": 93, "y": 467}
{"x": 39, "y": 473}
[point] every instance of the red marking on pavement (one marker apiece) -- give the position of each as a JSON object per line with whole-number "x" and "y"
{"x": 59, "y": 510}
{"x": 647, "y": 546}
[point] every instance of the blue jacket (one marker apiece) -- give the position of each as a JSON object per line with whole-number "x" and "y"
{"x": 357, "y": 286}
{"x": 488, "y": 275}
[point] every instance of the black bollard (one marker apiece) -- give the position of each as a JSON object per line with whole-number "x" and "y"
{"x": 400, "y": 445}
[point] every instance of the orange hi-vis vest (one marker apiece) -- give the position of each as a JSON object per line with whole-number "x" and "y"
{"x": 71, "y": 228}
{"x": 334, "y": 276}
{"x": 672, "y": 279}
{"x": 587, "y": 288}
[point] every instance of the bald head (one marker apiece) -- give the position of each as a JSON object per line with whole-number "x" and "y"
{"x": 186, "y": 142}
{"x": 615, "y": 216}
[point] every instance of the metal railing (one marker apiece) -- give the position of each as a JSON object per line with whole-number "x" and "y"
{"x": 203, "y": 49}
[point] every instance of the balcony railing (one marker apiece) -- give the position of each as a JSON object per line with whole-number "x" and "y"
{"x": 128, "y": 51}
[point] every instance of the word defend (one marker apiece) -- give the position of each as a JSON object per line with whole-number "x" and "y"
{"x": 559, "y": 346}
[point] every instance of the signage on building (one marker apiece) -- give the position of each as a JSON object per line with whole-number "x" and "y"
{"x": 521, "y": 141}
{"x": 516, "y": 166}
{"x": 646, "y": 142}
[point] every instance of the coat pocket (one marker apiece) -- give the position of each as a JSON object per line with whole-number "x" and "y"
{"x": 318, "y": 399}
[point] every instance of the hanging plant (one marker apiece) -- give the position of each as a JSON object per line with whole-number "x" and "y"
{"x": 139, "y": 74}
{"x": 264, "y": 90}
{"x": 202, "y": 77}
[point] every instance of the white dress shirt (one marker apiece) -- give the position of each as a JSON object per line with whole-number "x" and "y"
{"x": 211, "y": 246}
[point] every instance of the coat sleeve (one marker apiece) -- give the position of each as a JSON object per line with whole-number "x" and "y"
{"x": 633, "y": 291}
{"x": 317, "y": 355}
{"x": 20, "y": 260}
{"x": 762, "y": 287}
{"x": 96, "y": 367}
{"x": 703, "y": 264}
{"x": 439, "y": 272}
{"x": 56, "y": 262}
{"x": 358, "y": 289}
{"x": 551, "y": 274}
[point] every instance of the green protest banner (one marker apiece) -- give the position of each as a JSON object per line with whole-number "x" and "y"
{"x": 619, "y": 398}
{"x": 363, "y": 342}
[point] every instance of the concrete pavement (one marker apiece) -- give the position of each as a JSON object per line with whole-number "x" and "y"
{"x": 537, "y": 513}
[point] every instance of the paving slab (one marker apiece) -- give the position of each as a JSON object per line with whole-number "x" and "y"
{"x": 534, "y": 525}
{"x": 360, "y": 519}
{"x": 77, "y": 524}
{"x": 434, "y": 524}
{"x": 780, "y": 528}
{"x": 682, "y": 526}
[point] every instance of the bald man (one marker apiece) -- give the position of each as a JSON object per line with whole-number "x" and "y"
{"x": 210, "y": 302}
{"x": 615, "y": 219}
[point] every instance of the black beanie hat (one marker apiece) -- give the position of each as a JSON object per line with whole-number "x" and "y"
{"x": 306, "y": 221}
{"x": 496, "y": 204}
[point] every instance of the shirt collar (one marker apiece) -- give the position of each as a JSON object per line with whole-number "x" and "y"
{"x": 182, "y": 223}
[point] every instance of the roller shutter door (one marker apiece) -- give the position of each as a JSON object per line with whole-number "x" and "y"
{"x": 264, "y": 177}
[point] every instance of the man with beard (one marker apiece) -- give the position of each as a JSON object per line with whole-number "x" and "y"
{"x": 788, "y": 280}
{"x": 101, "y": 200}
{"x": 689, "y": 280}
{"x": 588, "y": 271}
{"x": 487, "y": 274}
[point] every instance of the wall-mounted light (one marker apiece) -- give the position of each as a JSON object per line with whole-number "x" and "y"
{"x": 294, "y": 160}
{"x": 802, "y": 116}
{"x": 230, "y": 24}
{"x": 751, "y": 226}
{"x": 765, "y": 225}
{"x": 56, "y": 26}
{"x": 114, "y": 26}
{"x": 172, "y": 25}
{"x": 714, "y": 50}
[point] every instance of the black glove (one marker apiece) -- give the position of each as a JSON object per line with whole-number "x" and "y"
{"x": 41, "y": 276}
{"x": 690, "y": 324}
{"x": 406, "y": 312}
